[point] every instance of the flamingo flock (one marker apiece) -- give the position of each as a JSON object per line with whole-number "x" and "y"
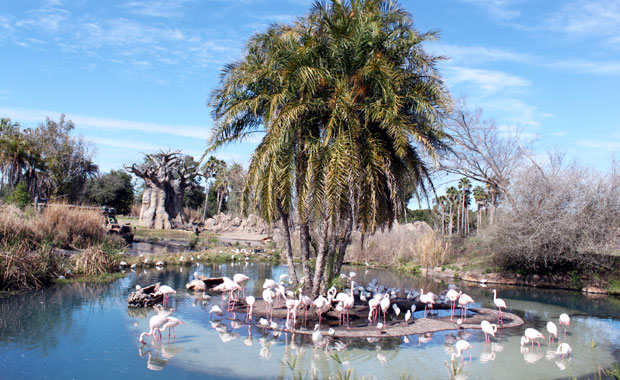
{"x": 378, "y": 298}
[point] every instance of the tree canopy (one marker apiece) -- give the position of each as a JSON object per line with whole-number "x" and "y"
{"x": 349, "y": 101}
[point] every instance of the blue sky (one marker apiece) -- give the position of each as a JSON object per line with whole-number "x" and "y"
{"x": 135, "y": 75}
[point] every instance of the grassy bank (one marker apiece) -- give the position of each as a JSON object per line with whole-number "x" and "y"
{"x": 29, "y": 244}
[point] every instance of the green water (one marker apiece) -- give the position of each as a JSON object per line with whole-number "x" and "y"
{"x": 86, "y": 331}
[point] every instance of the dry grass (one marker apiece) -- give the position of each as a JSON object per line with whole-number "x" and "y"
{"x": 400, "y": 246}
{"x": 93, "y": 261}
{"x": 27, "y": 240}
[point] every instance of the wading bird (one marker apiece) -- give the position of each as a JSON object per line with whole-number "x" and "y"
{"x": 500, "y": 304}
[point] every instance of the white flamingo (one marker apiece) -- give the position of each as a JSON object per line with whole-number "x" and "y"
{"x": 453, "y": 296}
{"x": 385, "y": 305}
{"x": 552, "y": 329}
{"x": 427, "y": 299}
{"x": 489, "y": 329}
{"x": 461, "y": 345}
{"x": 240, "y": 279}
{"x": 170, "y": 325}
{"x": 563, "y": 349}
{"x": 268, "y": 297}
{"x": 165, "y": 290}
{"x": 155, "y": 323}
{"x": 317, "y": 337}
{"x": 564, "y": 320}
{"x": 500, "y": 304}
{"x": 531, "y": 335}
{"x": 250, "y": 300}
{"x": 464, "y": 299}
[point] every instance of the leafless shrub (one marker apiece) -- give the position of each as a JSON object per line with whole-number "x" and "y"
{"x": 565, "y": 217}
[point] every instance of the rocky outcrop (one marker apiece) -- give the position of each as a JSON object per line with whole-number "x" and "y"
{"x": 227, "y": 223}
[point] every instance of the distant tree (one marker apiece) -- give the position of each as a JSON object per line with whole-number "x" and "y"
{"x": 47, "y": 158}
{"x": 481, "y": 197}
{"x": 114, "y": 189}
{"x": 484, "y": 152}
{"x": 208, "y": 171}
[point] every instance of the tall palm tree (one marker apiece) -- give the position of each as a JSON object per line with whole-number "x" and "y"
{"x": 480, "y": 196}
{"x": 347, "y": 98}
{"x": 465, "y": 186}
{"x": 452, "y": 195}
{"x": 441, "y": 204}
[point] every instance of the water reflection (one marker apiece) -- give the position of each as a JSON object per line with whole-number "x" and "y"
{"x": 92, "y": 324}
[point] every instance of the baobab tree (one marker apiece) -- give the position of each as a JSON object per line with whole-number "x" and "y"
{"x": 166, "y": 176}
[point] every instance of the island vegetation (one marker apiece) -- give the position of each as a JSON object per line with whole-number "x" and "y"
{"x": 355, "y": 125}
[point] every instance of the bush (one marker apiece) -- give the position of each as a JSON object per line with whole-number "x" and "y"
{"x": 20, "y": 196}
{"x": 564, "y": 218}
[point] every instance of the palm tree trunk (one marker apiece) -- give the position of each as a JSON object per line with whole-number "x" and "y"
{"x": 451, "y": 225}
{"x": 320, "y": 257}
{"x": 342, "y": 247}
{"x": 289, "y": 247}
{"x": 204, "y": 214}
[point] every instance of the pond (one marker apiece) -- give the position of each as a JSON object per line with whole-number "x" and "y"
{"x": 86, "y": 331}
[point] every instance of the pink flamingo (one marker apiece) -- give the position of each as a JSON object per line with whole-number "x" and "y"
{"x": 268, "y": 297}
{"x": 165, "y": 290}
{"x": 500, "y": 304}
{"x": 464, "y": 299}
{"x": 453, "y": 296}
{"x": 552, "y": 329}
{"x": 531, "y": 335}
{"x": 170, "y": 325}
{"x": 385, "y": 305}
{"x": 322, "y": 305}
{"x": 426, "y": 299}
{"x": 373, "y": 304}
{"x": 240, "y": 279}
{"x": 564, "y": 320}
{"x": 461, "y": 345}
{"x": 155, "y": 323}
{"x": 489, "y": 329}
{"x": 250, "y": 300}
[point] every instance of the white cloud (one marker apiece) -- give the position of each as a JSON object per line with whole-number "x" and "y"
{"x": 477, "y": 54}
{"x": 582, "y": 18}
{"x": 109, "y": 124}
{"x": 487, "y": 80}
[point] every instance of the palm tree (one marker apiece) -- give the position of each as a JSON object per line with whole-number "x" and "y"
{"x": 452, "y": 195}
{"x": 210, "y": 170}
{"x": 465, "y": 186}
{"x": 221, "y": 189}
{"x": 441, "y": 204}
{"x": 343, "y": 95}
{"x": 480, "y": 196}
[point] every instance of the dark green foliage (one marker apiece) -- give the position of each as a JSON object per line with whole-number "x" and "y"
{"x": 20, "y": 196}
{"x": 423, "y": 215}
{"x": 113, "y": 189}
{"x": 194, "y": 196}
